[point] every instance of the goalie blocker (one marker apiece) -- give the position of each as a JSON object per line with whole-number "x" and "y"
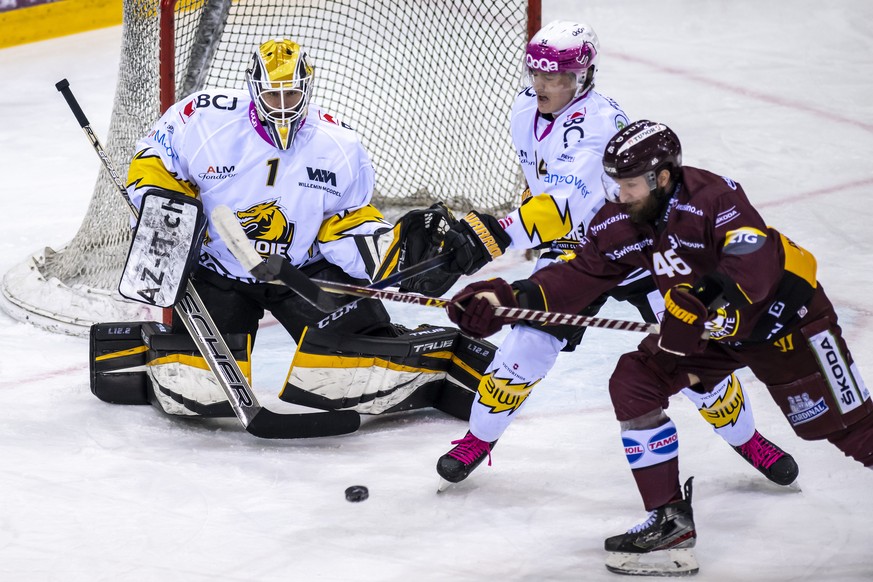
{"x": 143, "y": 362}
{"x": 164, "y": 248}
{"x": 429, "y": 366}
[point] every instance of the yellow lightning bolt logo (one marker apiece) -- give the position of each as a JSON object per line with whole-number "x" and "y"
{"x": 501, "y": 395}
{"x": 542, "y": 217}
{"x": 726, "y": 409}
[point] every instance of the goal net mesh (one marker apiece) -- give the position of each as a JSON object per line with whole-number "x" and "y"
{"x": 427, "y": 84}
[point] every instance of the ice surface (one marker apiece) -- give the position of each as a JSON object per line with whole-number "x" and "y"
{"x": 776, "y": 95}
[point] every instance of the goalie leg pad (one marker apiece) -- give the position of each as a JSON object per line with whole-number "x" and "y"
{"x": 371, "y": 375}
{"x": 143, "y": 362}
{"x": 180, "y": 379}
{"x": 118, "y": 363}
{"x": 470, "y": 362}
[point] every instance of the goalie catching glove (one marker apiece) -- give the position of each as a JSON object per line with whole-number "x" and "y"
{"x": 476, "y": 240}
{"x": 683, "y": 329}
{"x": 416, "y": 237}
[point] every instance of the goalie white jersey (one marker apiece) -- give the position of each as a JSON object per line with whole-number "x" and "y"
{"x": 561, "y": 161}
{"x": 304, "y": 203}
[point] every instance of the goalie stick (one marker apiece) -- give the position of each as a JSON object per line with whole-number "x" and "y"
{"x": 321, "y": 294}
{"x": 256, "y": 419}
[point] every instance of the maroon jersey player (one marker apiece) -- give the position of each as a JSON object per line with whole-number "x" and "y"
{"x": 738, "y": 293}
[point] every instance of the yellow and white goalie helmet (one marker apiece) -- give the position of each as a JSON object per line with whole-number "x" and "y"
{"x": 280, "y": 83}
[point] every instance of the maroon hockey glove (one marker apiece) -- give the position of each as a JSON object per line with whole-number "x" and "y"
{"x": 682, "y": 330}
{"x": 476, "y": 239}
{"x": 471, "y": 310}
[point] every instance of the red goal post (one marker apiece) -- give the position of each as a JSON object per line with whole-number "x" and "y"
{"x": 427, "y": 84}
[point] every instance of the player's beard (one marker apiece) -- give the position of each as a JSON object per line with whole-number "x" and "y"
{"x": 644, "y": 211}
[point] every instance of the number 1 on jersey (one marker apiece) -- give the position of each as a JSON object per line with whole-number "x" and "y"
{"x": 274, "y": 167}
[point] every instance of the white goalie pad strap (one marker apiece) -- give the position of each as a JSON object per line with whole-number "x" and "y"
{"x": 158, "y": 262}
{"x": 193, "y": 383}
{"x": 375, "y": 384}
{"x": 652, "y": 446}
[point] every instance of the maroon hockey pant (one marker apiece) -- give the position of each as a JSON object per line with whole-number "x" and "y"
{"x": 644, "y": 380}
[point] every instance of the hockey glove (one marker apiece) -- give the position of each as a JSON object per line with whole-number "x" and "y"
{"x": 476, "y": 239}
{"x": 472, "y": 309}
{"x": 423, "y": 241}
{"x": 682, "y": 329}
{"x": 416, "y": 237}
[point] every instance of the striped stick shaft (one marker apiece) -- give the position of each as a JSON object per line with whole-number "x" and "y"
{"x": 531, "y": 315}
{"x": 557, "y": 318}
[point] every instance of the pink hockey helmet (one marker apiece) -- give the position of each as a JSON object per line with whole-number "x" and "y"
{"x": 565, "y": 47}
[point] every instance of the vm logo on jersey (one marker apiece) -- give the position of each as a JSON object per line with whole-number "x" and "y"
{"x": 323, "y": 176}
{"x": 267, "y": 227}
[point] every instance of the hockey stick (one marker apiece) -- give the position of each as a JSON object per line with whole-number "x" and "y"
{"x": 531, "y": 315}
{"x": 277, "y": 268}
{"x": 256, "y": 419}
{"x": 320, "y": 293}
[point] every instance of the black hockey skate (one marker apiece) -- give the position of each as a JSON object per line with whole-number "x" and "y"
{"x": 457, "y": 464}
{"x": 660, "y": 546}
{"x": 774, "y": 463}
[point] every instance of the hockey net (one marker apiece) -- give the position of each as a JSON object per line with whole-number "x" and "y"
{"x": 427, "y": 85}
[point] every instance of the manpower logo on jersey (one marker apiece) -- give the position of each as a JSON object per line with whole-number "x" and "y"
{"x": 267, "y": 227}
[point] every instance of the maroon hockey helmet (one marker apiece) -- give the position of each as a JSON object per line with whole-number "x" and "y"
{"x": 643, "y": 148}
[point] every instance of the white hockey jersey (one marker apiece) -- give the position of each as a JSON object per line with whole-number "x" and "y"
{"x": 561, "y": 161}
{"x": 304, "y": 203}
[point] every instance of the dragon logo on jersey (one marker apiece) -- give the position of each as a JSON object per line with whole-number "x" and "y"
{"x": 502, "y": 395}
{"x": 267, "y": 226}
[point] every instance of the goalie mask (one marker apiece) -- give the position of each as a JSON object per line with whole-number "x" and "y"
{"x": 280, "y": 84}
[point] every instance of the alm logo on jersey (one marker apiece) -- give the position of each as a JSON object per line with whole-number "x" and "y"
{"x": 218, "y": 173}
{"x": 267, "y": 227}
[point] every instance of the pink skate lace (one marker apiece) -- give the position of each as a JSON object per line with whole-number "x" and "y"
{"x": 470, "y": 448}
{"x": 761, "y": 452}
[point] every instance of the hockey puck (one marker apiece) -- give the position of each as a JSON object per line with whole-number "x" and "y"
{"x": 357, "y": 493}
